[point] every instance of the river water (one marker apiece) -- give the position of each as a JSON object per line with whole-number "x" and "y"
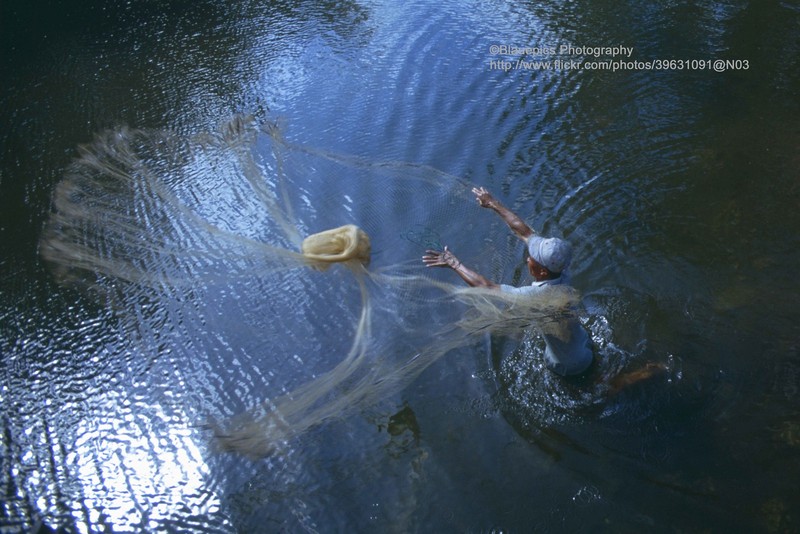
{"x": 678, "y": 187}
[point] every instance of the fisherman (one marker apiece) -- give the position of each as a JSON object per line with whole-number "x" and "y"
{"x": 568, "y": 349}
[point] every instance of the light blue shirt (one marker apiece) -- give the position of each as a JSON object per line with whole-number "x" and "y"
{"x": 568, "y": 349}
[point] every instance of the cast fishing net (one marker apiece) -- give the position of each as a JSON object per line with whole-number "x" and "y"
{"x": 301, "y": 263}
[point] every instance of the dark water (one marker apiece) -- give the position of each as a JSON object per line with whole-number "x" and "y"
{"x": 678, "y": 188}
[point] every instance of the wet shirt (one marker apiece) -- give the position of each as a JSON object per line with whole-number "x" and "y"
{"x": 568, "y": 349}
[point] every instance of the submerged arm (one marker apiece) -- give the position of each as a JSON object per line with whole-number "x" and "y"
{"x": 517, "y": 225}
{"x": 445, "y": 258}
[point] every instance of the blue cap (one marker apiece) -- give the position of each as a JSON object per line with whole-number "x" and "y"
{"x": 551, "y": 252}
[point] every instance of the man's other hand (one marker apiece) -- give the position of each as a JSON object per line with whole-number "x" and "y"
{"x": 444, "y": 258}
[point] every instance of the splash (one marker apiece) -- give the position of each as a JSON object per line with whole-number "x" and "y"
{"x": 229, "y": 210}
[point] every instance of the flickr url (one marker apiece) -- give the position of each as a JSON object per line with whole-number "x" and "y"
{"x": 614, "y": 65}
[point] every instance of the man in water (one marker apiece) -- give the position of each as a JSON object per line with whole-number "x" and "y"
{"x": 568, "y": 349}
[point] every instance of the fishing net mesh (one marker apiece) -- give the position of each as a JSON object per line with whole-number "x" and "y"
{"x": 304, "y": 260}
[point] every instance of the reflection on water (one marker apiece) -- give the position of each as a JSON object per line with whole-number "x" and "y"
{"x": 677, "y": 189}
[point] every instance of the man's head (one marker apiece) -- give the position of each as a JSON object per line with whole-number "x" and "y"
{"x": 548, "y": 257}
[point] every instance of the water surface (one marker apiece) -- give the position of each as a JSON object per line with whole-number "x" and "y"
{"x": 678, "y": 189}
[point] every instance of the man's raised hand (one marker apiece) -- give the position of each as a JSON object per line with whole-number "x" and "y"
{"x": 484, "y": 197}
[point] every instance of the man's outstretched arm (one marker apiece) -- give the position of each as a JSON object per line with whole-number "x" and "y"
{"x": 517, "y": 225}
{"x": 445, "y": 258}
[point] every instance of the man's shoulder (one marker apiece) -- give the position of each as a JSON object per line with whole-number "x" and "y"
{"x": 522, "y": 290}
{"x": 535, "y": 286}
